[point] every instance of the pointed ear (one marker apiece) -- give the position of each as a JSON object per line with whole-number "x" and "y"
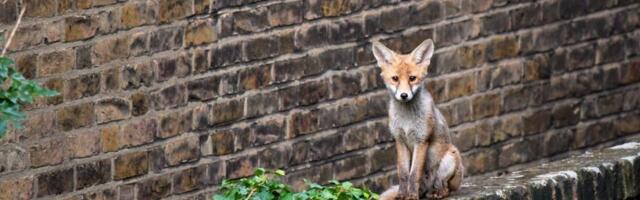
{"x": 422, "y": 54}
{"x": 383, "y": 55}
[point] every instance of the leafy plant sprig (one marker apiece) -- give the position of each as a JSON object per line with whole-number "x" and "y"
{"x": 266, "y": 185}
{"x": 15, "y": 91}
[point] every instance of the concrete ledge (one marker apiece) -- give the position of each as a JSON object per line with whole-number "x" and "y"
{"x": 612, "y": 173}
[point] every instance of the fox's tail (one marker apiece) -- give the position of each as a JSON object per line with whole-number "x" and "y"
{"x": 390, "y": 194}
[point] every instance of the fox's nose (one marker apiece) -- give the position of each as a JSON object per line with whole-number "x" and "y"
{"x": 404, "y": 95}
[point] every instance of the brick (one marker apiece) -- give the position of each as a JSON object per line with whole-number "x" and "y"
{"x": 111, "y": 79}
{"x": 47, "y": 152}
{"x": 55, "y": 62}
{"x": 229, "y": 83}
{"x": 94, "y": 173}
{"x": 110, "y": 193}
{"x": 9, "y": 12}
{"x": 55, "y": 182}
{"x": 516, "y": 99}
{"x": 216, "y": 172}
{"x": 84, "y": 144}
{"x": 26, "y": 36}
{"x": 166, "y": 39}
{"x": 275, "y": 157}
{"x": 506, "y": 74}
{"x": 561, "y": 86}
{"x": 625, "y": 21}
{"x": 222, "y": 142}
{"x": 37, "y": 126}
{"x": 228, "y": 111}
{"x": 454, "y": 33}
{"x": 131, "y": 165}
{"x": 495, "y": 23}
{"x": 249, "y": 21}
{"x": 460, "y": 86}
{"x": 170, "y": 97}
{"x": 174, "y": 124}
{"x": 200, "y": 32}
{"x": 138, "y": 132}
{"x": 312, "y": 36}
{"x": 40, "y": 8}
{"x": 17, "y": 188}
{"x": 53, "y": 32}
{"x": 182, "y": 150}
{"x": 537, "y": 121}
{"x": 627, "y": 124}
{"x": 167, "y": 68}
{"x": 138, "y": 75}
{"x": 226, "y": 54}
{"x": 190, "y": 179}
{"x": 595, "y": 133}
{"x": 82, "y": 86}
{"x": 110, "y": 138}
{"x": 572, "y": 8}
{"x": 172, "y": 10}
{"x": 610, "y": 51}
{"x": 315, "y": 9}
{"x": 351, "y": 167}
{"x": 526, "y": 16}
{"x": 112, "y": 109}
{"x": 486, "y": 105}
{"x": 204, "y": 89}
{"x": 200, "y": 61}
{"x": 480, "y": 161}
{"x": 283, "y": 14}
{"x": 134, "y": 14}
{"x": 317, "y": 149}
{"x": 79, "y": 28}
{"x": 127, "y": 192}
{"x": 581, "y": 30}
{"x": 260, "y": 48}
{"x": 542, "y": 39}
{"x": 506, "y": 128}
{"x": 140, "y": 104}
{"x": 201, "y": 6}
{"x": 295, "y": 69}
{"x": 458, "y": 112}
{"x": 503, "y": 47}
{"x": 382, "y": 158}
{"x": 108, "y": 21}
{"x": 27, "y": 64}
{"x": 317, "y": 173}
{"x": 565, "y": 115}
{"x": 521, "y": 151}
{"x": 557, "y": 142}
{"x": 254, "y": 78}
{"x": 241, "y": 166}
{"x": 154, "y": 188}
{"x": 76, "y": 116}
{"x": 429, "y": 12}
{"x": 342, "y": 85}
{"x": 631, "y": 100}
{"x": 261, "y": 104}
{"x": 630, "y": 73}
{"x": 536, "y": 68}
{"x": 109, "y": 49}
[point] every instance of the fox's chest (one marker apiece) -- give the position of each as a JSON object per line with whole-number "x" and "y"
{"x": 409, "y": 129}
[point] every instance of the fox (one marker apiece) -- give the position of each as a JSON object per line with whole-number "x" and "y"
{"x": 428, "y": 164}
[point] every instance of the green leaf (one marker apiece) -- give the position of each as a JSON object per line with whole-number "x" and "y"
{"x": 280, "y": 172}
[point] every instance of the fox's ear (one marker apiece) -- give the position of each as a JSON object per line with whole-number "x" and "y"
{"x": 383, "y": 55}
{"x": 422, "y": 54}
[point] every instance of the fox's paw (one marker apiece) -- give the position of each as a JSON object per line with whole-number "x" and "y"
{"x": 412, "y": 196}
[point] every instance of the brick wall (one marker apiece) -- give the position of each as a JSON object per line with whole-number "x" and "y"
{"x": 165, "y": 98}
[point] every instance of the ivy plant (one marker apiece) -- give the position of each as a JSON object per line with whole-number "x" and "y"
{"x": 267, "y": 185}
{"x": 15, "y": 91}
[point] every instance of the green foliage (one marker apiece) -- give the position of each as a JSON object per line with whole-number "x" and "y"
{"x": 15, "y": 91}
{"x": 265, "y": 185}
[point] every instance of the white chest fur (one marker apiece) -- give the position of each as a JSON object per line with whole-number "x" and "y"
{"x": 407, "y": 121}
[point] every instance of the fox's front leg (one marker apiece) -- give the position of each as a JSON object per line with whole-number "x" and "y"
{"x": 417, "y": 169}
{"x": 404, "y": 158}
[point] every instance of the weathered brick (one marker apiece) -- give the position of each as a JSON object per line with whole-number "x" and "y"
{"x": 216, "y": 172}
{"x": 458, "y": 112}
{"x": 228, "y": 111}
{"x": 241, "y": 166}
{"x": 627, "y": 124}
{"x": 581, "y": 30}
{"x": 595, "y": 133}
{"x": 182, "y": 150}
{"x": 140, "y": 103}
{"x": 82, "y": 86}
{"x": 154, "y": 188}
{"x": 286, "y": 13}
{"x": 138, "y": 75}
{"x": 260, "y": 48}
{"x": 55, "y": 182}
{"x": 139, "y": 132}
{"x": 537, "y": 121}
{"x": 47, "y": 152}
{"x": 482, "y": 160}
{"x": 222, "y": 142}
{"x": 112, "y": 109}
{"x": 112, "y": 79}
{"x": 136, "y": 14}
{"x": 27, "y": 64}
{"x": 131, "y": 165}
{"x": 351, "y": 167}
{"x": 123, "y": 46}
{"x": 316, "y": 173}
{"x": 312, "y": 36}
{"x": 202, "y": 6}
{"x": 226, "y": 54}
{"x": 175, "y": 123}
{"x": 486, "y": 105}
{"x": 254, "y": 78}
{"x": 429, "y": 12}
{"x": 79, "y": 28}
{"x": 26, "y": 36}
{"x": 171, "y": 10}
{"x": 76, "y": 116}
{"x": 84, "y": 144}
{"x": 190, "y": 179}
{"x": 110, "y": 138}
{"x": 495, "y": 23}
{"x": 506, "y": 74}
{"x": 275, "y": 157}
{"x": 200, "y": 32}
{"x": 610, "y": 51}
{"x": 55, "y": 62}
{"x": 460, "y": 86}
{"x": 17, "y": 188}
{"x": 526, "y": 16}
{"x": 315, "y": 9}
{"x": 166, "y": 38}
{"x": 557, "y": 142}
{"x": 520, "y": 151}
{"x": 542, "y": 39}
{"x": 630, "y": 73}
{"x": 127, "y": 192}
{"x": 454, "y": 33}
{"x": 40, "y": 8}
{"x": 170, "y": 97}
{"x": 204, "y": 89}
{"x": 94, "y": 173}
{"x": 167, "y": 68}
{"x": 565, "y": 115}
{"x": 37, "y": 126}
{"x": 8, "y": 12}
{"x": 503, "y": 47}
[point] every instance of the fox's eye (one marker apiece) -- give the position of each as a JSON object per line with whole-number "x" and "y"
{"x": 395, "y": 78}
{"x": 412, "y": 78}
